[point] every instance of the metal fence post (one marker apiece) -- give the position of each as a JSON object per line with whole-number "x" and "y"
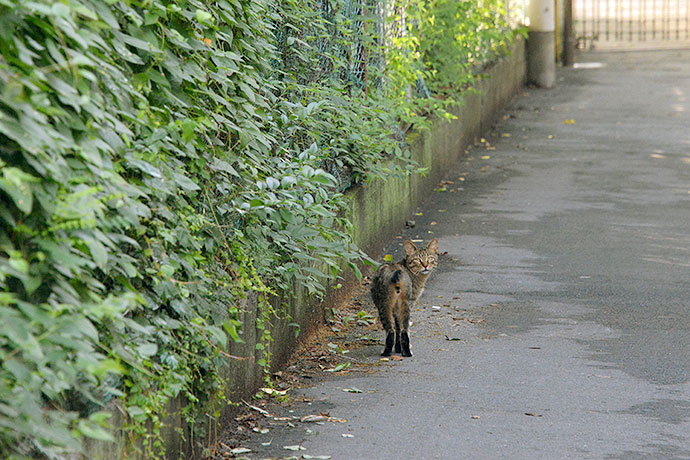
{"x": 568, "y": 37}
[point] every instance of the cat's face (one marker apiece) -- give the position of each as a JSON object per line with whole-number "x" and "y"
{"x": 422, "y": 261}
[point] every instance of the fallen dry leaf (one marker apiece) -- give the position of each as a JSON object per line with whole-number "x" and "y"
{"x": 313, "y": 418}
{"x": 352, "y": 390}
{"x": 296, "y": 447}
{"x": 397, "y": 358}
{"x": 470, "y": 320}
{"x": 274, "y": 392}
{"x": 259, "y": 410}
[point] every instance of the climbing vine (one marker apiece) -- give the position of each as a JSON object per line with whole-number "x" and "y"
{"x": 159, "y": 161}
{"x": 438, "y": 49}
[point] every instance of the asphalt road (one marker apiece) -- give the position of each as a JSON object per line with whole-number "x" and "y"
{"x": 565, "y": 282}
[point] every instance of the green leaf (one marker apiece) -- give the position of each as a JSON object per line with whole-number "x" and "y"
{"x": 188, "y": 127}
{"x": 288, "y": 181}
{"x": 204, "y": 16}
{"x": 98, "y": 252}
{"x": 185, "y": 182}
{"x": 339, "y": 367}
{"x": 18, "y": 369}
{"x": 247, "y": 91}
{"x": 218, "y": 335}
{"x": 167, "y": 270}
{"x": 322, "y": 177}
{"x": 15, "y": 183}
{"x": 356, "y": 271}
{"x": 222, "y": 165}
{"x": 231, "y": 329}
{"x": 90, "y": 430}
{"x": 147, "y": 349}
{"x": 272, "y": 183}
{"x": 137, "y": 43}
{"x": 135, "y": 411}
{"x": 18, "y": 263}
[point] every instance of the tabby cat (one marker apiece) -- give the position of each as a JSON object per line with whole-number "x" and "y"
{"x": 395, "y": 290}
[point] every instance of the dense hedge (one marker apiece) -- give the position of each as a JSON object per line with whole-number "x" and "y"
{"x": 161, "y": 158}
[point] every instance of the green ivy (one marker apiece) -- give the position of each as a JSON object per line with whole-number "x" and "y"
{"x": 439, "y": 49}
{"x": 159, "y": 161}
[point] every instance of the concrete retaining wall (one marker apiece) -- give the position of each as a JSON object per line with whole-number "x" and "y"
{"x": 378, "y": 210}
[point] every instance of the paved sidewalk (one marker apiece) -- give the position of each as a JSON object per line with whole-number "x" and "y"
{"x": 565, "y": 281}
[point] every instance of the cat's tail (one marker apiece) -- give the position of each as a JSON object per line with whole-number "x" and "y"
{"x": 396, "y": 280}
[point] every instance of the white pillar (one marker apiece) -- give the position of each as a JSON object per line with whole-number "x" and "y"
{"x": 541, "y": 43}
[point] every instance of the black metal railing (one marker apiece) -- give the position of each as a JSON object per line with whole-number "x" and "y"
{"x": 630, "y": 23}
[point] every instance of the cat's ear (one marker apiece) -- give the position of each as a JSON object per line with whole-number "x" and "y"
{"x": 433, "y": 246}
{"x": 410, "y": 248}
